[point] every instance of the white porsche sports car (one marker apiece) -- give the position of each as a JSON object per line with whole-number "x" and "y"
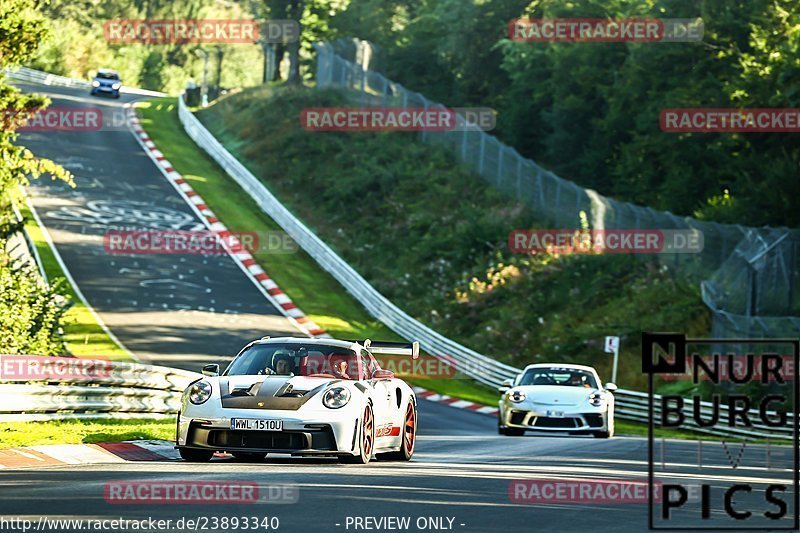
{"x": 557, "y": 398}
{"x": 301, "y": 396}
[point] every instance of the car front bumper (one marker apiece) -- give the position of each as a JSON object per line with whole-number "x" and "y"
{"x": 300, "y": 437}
{"x": 105, "y": 89}
{"x": 534, "y": 419}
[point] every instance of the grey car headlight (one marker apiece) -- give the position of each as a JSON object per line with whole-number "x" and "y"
{"x": 200, "y": 392}
{"x": 596, "y": 399}
{"x": 516, "y": 396}
{"x": 336, "y": 397}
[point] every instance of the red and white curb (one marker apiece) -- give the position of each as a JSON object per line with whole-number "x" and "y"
{"x": 455, "y": 402}
{"x": 243, "y": 258}
{"x": 81, "y": 454}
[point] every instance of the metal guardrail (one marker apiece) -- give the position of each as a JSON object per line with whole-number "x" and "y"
{"x": 632, "y": 405}
{"x": 80, "y": 388}
{"x": 36, "y": 76}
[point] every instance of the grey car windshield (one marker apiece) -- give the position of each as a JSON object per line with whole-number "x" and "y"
{"x": 568, "y": 377}
{"x": 299, "y": 359}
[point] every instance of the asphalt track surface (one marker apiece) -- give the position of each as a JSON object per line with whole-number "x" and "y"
{"x": 462, "y": 475}
{"x": 175, "y": 310}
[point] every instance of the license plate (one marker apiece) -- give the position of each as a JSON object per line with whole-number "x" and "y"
{"x": 555, "y": 414}
{"x": 256, "y": 424}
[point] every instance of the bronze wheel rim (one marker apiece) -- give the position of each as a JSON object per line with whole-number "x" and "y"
{"x": 367, "y": 438}
{"x": 410, "y": 429}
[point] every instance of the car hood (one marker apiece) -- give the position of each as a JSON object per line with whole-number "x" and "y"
{"x": 555, "y": 394}
{"x": 269, "y": 392}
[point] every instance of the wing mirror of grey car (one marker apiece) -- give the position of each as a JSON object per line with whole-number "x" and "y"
{"x": 611, "y": 387}
{"x": 383, "y": 374}
{"x": 507, "y": 384}
{"x": 211, "y": 370}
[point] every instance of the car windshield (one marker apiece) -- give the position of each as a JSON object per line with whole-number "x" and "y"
{"x": 568, "y": 377}
{"x": 107, "y": 76}
{"x": 298, "y": 359}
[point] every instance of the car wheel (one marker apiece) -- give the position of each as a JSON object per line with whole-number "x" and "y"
{"x": 409, "y": 437}
{"x": 248, "y": 457}
{"x": 509, "y": 432}
{"x": 196, "y": 456}
{"x": 609, "y": 432}
{"x": 366, "y": 441}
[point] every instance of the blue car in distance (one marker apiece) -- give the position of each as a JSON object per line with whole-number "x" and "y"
{"x": 106, "y": 82}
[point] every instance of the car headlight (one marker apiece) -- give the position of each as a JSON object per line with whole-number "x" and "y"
{"x": 116, "y": 86}
{"x": 596, "y": 399}
{"x": 95, "y": 83}
{"x": 516, "y": 396}
{"x": 200, "y": 392}
{"x": 336, "y": 397}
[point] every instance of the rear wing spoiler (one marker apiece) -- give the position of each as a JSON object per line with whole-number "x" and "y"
{"x": 391, "y": 348}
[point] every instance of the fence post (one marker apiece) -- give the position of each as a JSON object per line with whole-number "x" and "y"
{"x": 424, "y": 133}
{"x": 558, "y": 201}
{"x": 483, "y": 148}
{"x": 363, "y": 86}
{"x": 501, "y": 154}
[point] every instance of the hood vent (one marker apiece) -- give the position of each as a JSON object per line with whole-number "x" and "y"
{"x": 246, "y": 391}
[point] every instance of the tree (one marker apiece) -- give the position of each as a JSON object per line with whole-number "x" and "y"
{"x": 28, "y": 311}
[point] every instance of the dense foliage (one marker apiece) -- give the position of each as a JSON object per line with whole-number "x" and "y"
{"x": 77, "y": 46}
{"x": 29, "y": 311}
{"x": 589, "y": 111}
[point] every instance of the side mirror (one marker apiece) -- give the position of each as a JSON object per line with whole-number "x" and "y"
{"x": 211, "y": 370}
{"x": 507, "y": 384}
{"x": 383, "y": 374}
{"x": 611, "y": 387}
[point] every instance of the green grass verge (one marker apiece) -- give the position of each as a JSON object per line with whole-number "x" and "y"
{"x": 82, "y": 334}
{"x": 311, "y": 288}
{"x": 84, "y": 431}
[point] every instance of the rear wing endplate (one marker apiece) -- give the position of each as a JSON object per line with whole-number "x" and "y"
{"x": 391, "y": 348}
